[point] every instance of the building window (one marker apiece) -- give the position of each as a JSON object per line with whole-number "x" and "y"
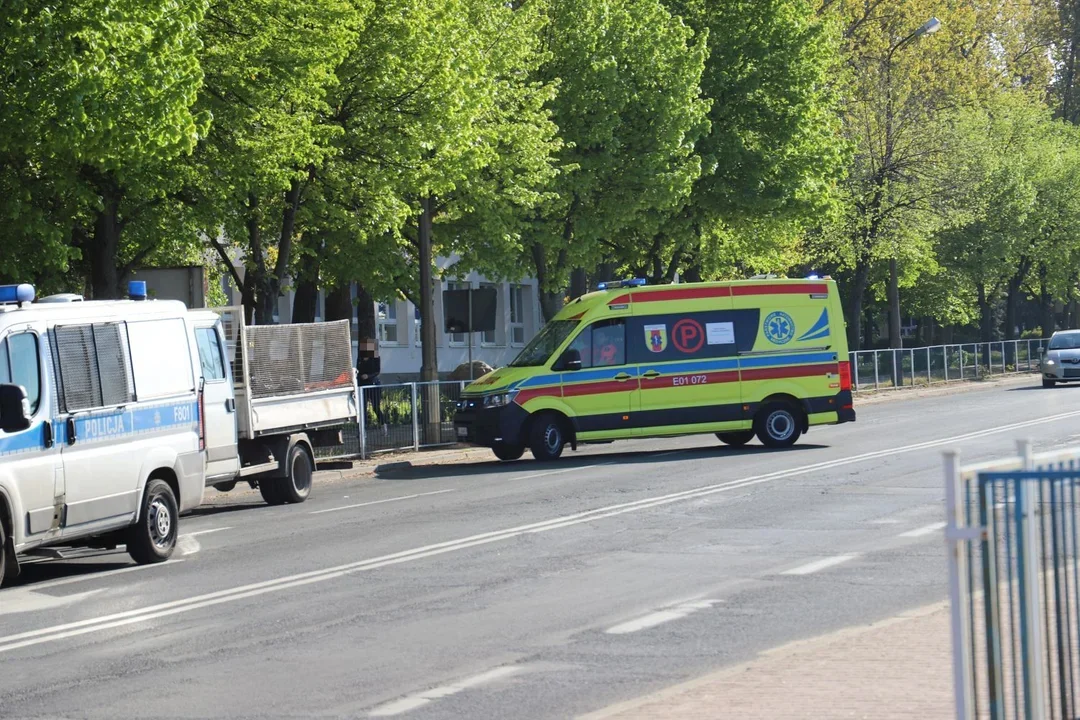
{"x": 386, "y": 317}
{"x": 458, "y": 338}
{"x": 490, "y": 337}
{"x": 517, "y": 315}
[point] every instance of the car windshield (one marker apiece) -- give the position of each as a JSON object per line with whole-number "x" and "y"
{"x": 1065, "y": 341}
{"x": 545, "y": 343}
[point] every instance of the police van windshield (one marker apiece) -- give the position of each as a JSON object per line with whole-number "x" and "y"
{"x": 544, "y": 345}
{"x": 1065, "y": 341}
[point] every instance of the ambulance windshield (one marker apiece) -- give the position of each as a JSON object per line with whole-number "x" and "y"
{"x": 545, "y": 343}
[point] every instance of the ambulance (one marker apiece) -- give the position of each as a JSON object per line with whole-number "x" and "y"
{"x": 763, "y": 358}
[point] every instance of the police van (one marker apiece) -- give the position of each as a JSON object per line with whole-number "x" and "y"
{"x": 764, "y": 357}
{"x": 116, "y": 415}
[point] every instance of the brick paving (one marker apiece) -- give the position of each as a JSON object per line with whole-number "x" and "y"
{"x": 895, "y": 669}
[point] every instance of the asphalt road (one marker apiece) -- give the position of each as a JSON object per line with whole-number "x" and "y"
{"x": 515, "y": 590}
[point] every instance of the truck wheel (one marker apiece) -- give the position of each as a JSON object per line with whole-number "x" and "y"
{"x": 736, "y": 439}
{"x": 547, "y": 438}
{"x": 778, "y": 425}
{"x": 152, "y": 538}
{"x": 508, "y": 452}
{"x": 270, "y": 489}
{"x": 296, "y": 486}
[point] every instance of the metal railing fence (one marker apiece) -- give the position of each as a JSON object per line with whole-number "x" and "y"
{"x": 1013, "y": 533}
{"x": 908, "y": 367}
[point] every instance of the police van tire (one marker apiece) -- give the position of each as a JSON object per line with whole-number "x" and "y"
{"x": 547, "y": 439}
{"x": 508, "y": 452}
{"x": 778, "y": 425}
{"x": 153, "y": 537}
{"x": 3, "y": 553}
{"x": 736, "y": 439}
{"x": 297, "y": 485}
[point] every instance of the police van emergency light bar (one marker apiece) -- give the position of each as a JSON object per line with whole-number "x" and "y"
{"x": 629, "y": 282}
{"x": 20, "y": 294}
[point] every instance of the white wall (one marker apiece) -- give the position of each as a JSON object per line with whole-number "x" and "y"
{"x": 401, "y": 359}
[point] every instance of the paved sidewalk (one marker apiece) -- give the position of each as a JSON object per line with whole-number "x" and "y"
{"x": 896, "y": 669}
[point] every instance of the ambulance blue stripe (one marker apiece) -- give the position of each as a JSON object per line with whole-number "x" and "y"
{"x": 770, "y": 360}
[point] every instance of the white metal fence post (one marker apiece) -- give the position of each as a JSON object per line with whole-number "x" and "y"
{"x": 855, "y": 366}
{"x": 958, "y": 590}
{"x": 877, "y": 377}
{"x": 1027, "y": 498}
{"x": 415, "y": 419}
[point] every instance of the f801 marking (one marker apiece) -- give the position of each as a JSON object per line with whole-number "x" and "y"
{"x": 182, "y": 414}
{"x": 690, "y": 380}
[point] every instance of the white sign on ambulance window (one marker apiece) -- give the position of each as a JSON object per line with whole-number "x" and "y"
{"x": 722, "y": 333}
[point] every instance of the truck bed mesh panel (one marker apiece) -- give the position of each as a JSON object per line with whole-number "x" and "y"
{"x": 293, "y": 359}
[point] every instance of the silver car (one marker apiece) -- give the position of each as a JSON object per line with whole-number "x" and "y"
{"x": 1061, "y": 361}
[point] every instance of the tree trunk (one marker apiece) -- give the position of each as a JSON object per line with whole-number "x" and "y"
{"x": 550, "y": 302}
{"x": 1046, "y": 306}
{"x": 1012, "y": 301}
{"x": 895, "y": 338}
{"x": 429, "y": 368}
{"x": 579, "y": 283}
{"x": 855, "y": 307}
{"x": 306, "y": 303}
{"x": 986, "y": 315}
{"x": 366, "y": 325}
{"x": 104, "y": 277}
{"x": 339, "y": 305}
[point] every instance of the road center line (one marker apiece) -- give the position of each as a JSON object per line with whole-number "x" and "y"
{"x": 380, "y": 502}
{"x": 924, "y": 530}
{"x": 660, "y": 617}
{"x": 822, "y": 564}
{"x": 206, "y": 532}
{"x": 560, "y": 471}
{"x": 58, "y": 632}
{"x": 412, "y": 702}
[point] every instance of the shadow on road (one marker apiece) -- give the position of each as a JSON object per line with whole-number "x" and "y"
{"x": 1026, "y": 388}
{"x": 527, "y": 466}
{"x": 43, "y": 570}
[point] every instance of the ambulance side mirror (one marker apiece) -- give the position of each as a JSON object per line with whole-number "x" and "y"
{"x": 569, "y": 361}
{"x": 14, "y": 408}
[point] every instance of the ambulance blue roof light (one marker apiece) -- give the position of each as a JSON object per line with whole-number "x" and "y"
{"x": 629, "y": 282}
{"x": 22, "y": 293}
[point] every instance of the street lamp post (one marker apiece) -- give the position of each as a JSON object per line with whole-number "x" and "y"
{"x": 927, "y": 28}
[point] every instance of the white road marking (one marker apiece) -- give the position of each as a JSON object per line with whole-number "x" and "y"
{"x": 560, "y": 472}
{"x": 885, "y": 521}
{"x": 207, "y": 532}
{"x": 412, "y": 702}
{"x": 924, "y": 530}
{"x": 187, "y": 545}
{"x": 153, "y": 612}
{"x": 660, "y": 617}
{"x": 822, "y": 564}
{"x": 380, "y": 502}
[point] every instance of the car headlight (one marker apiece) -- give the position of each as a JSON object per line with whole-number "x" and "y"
{"x": 499, "y": 400}
{"x": 1049, "y": 362}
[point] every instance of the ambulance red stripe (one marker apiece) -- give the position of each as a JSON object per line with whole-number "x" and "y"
{"x": 677, "y": 293}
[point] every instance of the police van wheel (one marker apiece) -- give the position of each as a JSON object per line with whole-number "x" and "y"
{"x": 778, "y": 425}
{"x": 3, "y": 554}
{"x": 297, "y": 486}
{"x": 548, "y": 437}
{"x": 508, "y": 452}
{"x": 153, "y": 537}
{"x": 736, "y": 439}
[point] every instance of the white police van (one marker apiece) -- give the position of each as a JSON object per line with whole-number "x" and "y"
{"x": 116, "y": 415}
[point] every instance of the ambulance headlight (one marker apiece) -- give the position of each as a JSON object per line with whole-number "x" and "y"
{"x": 500, "y": 400}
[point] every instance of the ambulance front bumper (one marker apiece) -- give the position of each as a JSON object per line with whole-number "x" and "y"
{"x": 477, "y": 424}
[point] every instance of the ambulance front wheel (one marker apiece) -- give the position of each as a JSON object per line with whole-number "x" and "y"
{"x": 547, "y": 439}
{"x": 778, "y": 425}
{"x": 508, "y": 452}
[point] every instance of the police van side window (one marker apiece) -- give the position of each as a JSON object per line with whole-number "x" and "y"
{"x": 93, "y": 366}
{"x": 213, "y": 366}
{"x": 19, "y": 364}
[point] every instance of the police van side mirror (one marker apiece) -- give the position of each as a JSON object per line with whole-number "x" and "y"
{"x": 14, "y": 408}
{"x": 569, "y": 361}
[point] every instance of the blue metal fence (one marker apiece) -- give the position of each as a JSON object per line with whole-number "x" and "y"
{"x": 1015, "y": 586}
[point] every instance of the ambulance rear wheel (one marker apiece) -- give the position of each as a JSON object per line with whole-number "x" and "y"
{"x": 547, "y": 438}
{"x": 508, "y": 452}
{"x": 736, "y": 439}
{"x": 778, "y": 425}
{"x": 153, "y": 537}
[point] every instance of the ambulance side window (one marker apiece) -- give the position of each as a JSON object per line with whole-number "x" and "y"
{"x": 608, "y": 343}
{"x": 583, "y": 344}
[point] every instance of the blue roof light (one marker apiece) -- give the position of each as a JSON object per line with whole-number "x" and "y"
{"x": 137, "y": 289}
{"x": 23, "y": 293}
{"x": 629, "y": 282}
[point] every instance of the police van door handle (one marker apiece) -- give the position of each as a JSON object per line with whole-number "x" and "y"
{"x": 649, "y": 375}
{"x": 622, "y": 377}
{"x": 71, "y": 437}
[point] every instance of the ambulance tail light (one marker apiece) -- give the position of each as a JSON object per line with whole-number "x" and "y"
{"x": 845, "y": 376}
{"x": 202, "y": 416}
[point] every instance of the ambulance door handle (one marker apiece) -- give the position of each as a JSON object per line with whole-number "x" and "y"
{"x": 622, "y": 377}
{"x": 650, "y": 375}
